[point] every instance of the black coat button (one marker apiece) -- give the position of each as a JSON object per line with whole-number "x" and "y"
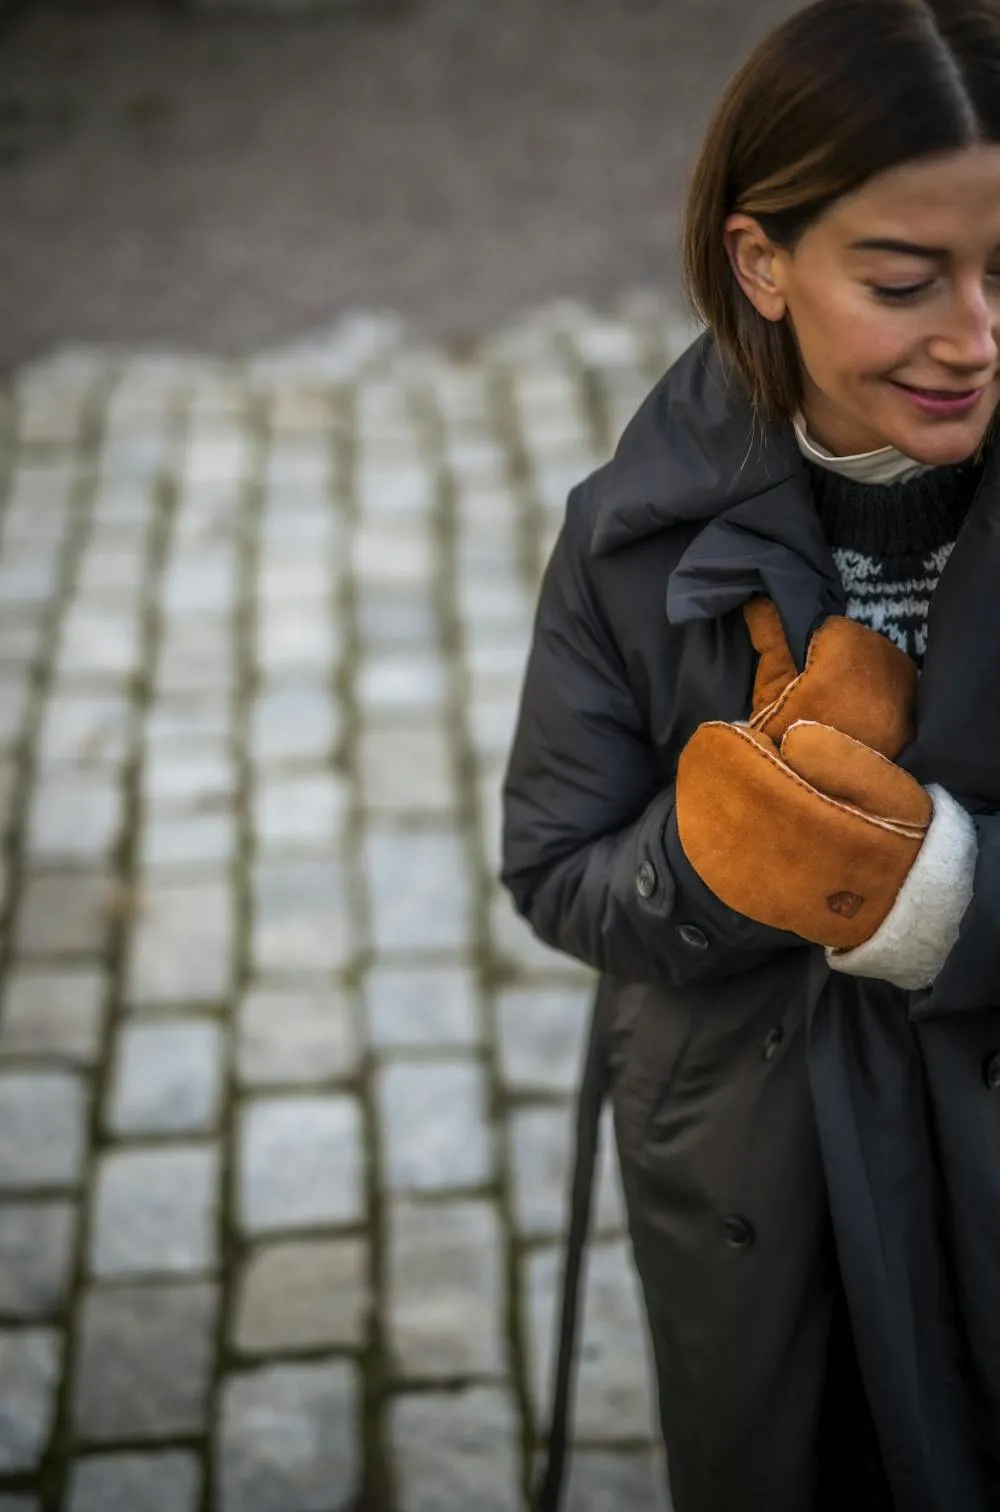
{"x": 646, "y": 880}
{"x": 739, "y": 1232}
{"x": 991, "y": 1072}
{"x": 772, "y": 1040}
{"x": 693, "y": 937}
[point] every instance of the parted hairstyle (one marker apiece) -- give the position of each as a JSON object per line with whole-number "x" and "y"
{"x": 840, "y": 92}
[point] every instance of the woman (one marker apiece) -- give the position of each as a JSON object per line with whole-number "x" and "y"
{"x": 790, "y": 884}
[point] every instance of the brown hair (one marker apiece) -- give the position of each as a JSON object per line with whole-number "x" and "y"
{"x": 842, "y": 91}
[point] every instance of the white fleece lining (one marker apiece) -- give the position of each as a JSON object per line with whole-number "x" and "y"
{"x": 919, "y": 932}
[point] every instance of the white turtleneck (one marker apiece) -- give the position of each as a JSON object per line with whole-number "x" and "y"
{"x": 887, "y": 465}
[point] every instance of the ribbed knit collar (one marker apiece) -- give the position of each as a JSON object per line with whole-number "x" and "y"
{"x": 908, "y": 518}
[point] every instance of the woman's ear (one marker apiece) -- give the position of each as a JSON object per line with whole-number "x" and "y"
{"x": 754, "y": 261}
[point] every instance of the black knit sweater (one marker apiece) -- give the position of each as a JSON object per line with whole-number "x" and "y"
{"x": 891, "y": 541}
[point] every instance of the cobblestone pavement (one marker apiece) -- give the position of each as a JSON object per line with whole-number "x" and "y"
{"x": 284, "y": 1085}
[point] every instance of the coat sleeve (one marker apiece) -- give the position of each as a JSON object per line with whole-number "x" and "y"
{"x": 591, "y": 853}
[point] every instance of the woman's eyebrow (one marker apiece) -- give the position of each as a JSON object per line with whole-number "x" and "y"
{"x": 908, "y": 249}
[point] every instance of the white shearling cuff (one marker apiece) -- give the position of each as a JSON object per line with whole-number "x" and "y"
{"x": 919, "y": 932}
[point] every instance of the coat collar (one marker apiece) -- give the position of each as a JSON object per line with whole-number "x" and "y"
{"x": 696, "y": 454}
{"x": 693, "y": 450}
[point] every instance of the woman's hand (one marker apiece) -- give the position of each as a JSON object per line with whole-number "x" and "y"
{"x": 854, "y": 679}
{"x": 816, "y": 835}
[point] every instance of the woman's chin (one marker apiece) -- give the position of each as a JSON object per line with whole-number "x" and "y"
{"x": 943, "y": 446}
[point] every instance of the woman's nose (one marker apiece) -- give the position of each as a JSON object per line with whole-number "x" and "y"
{"x": 971, "y": 337}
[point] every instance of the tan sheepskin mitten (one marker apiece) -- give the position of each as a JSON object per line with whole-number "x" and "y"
{"x": 854, "y": 679}
{"x": 825, "y": 837}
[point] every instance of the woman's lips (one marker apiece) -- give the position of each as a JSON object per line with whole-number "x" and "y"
{"x": 945, "y": 403}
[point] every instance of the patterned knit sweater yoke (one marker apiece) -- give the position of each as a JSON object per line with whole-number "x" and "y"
{"x": 890, "y": 542}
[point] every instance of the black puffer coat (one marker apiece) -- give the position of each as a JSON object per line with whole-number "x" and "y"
{"x": 797, "y": 1146}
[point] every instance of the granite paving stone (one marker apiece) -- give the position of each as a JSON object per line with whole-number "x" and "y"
{"x": 75, "y": 816}
{"x": 8, "y": 790}
{"x": 143, "y": 1364}
{"x": 541, "y": 1146}
{"x": 444, "y": 1290}
{"x": 394, "y": 683}
{"x": 404, "y": 490}
{"x": 293, "y": 722}
{"x": 111, "y": 565}
{"x": 422, "y": 1007}
{"x": 91, "y": 729}
{"x": 296, "y": 516}
{"x": 299, "y": 460}
{"x": 63, "y": 913}
{"x": 187, "y": 840}
{"x": 181, "y": 945}
{"x": 195, "y": 656}
{"x": 392, "y": 552}
{"x": 295, "y": 638}
{"x": 298, "y": 1034}
{"x": 456, "y": 1452}
{"x": 601, "y": 1482}
{"x": 98, "y": 641}
{"x": 166, "y": 1077}
{"x": 418, "y": 890}
{"x": 300, "y": 1163}
{"x": 54, "y": 1013}
{"x": 42, "y": 1130}
{"x": 15, "y": 689}
{"x": 30, "y": 1361}
{"x": 168, "y": 1480}
{"x": 434, "y": 1126}
{"x": 125, "y": 500}
{"x": 288, "y": 1439}
{"x": 36, "y": 1244}
{"x": 215, "y": 455}
{"x": 395, "y": 620}
{"x": 300, "y": 915}
{"x": 293, "y": 577}
{"x": 155, "y": 1211}
{"x": 22, "y": 635}
{"x": 306, "y": 811}
{"x": 193, "y": 717}
{"x": 201, "y": 581}
{"x": 200, "y": 776}
{"x": 541, "y": 1032}
{"x": 614, "y": 1390}
{"x": 407, "y": 770}
{"x": 303, "y": 1294}
{"x": 28, "y": 577}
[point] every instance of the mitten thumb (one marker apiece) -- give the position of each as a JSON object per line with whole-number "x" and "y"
{"x": 775, "y": 668}
{"x": 852, "y": 773}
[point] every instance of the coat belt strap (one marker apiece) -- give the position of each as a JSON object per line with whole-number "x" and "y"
{"x": 594, "y": 1087}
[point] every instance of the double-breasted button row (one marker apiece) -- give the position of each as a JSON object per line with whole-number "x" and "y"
{"x": 772, "y": 1042}
{"x": 739, "y": 1231}
{"x": 691, "y": 936}
{"x": 646, "y": 880}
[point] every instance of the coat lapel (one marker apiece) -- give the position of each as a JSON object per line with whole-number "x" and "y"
{"x": 958, "y": 707}
{"x": 772, "y": 544}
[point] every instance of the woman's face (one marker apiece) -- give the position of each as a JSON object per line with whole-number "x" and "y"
{"x": 893, "y": 296}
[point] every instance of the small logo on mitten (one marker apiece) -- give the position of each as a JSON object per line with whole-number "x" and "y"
{"x": 844, "y": 903}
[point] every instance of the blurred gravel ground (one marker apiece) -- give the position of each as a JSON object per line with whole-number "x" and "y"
{"x": 222, "y": 180}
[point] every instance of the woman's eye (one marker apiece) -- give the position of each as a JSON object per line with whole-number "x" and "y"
{"x": 900, "y": 293}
